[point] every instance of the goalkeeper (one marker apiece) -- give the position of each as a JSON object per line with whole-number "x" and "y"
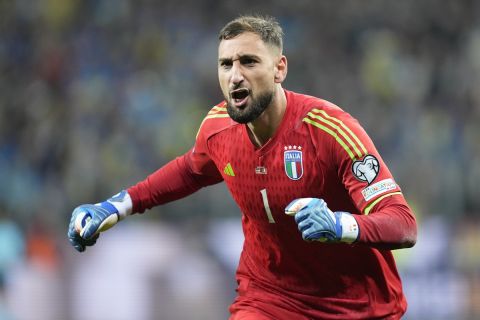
{"x": 321, "y": 212}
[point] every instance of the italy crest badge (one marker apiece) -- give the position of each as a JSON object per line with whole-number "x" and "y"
{"x": 293, "y": 161}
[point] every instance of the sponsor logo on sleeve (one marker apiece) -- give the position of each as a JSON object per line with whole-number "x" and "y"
{"x": 366, "y": 170}
{"x": 378, "y": 188}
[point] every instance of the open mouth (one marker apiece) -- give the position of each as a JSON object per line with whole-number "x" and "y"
{"x": 240, "y": 96}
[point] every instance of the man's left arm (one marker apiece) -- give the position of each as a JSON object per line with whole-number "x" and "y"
{"x": 391, "y": 224}
{"x": 381, "y": 218}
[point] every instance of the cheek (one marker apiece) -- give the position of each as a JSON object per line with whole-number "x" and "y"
{"x": 268, "y": 76}
{"x": 222, "y": 80}
{"x": 266, "y": 82}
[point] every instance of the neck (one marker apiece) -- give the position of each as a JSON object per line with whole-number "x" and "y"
{"x": 264, "y": 127}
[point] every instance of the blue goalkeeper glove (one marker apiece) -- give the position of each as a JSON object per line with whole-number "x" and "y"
{"x": 88, "y": 220}
{"x": 317, "y": 222}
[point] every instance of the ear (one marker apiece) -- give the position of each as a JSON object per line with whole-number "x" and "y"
{"x": 281, "y": 69}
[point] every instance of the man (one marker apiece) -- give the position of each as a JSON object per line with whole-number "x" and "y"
{"x": 321, "y": 210}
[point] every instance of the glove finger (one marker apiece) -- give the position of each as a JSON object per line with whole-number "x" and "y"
{"x": 316, "y": 203}
{"x": 80, "y": 244}
{"x": 311, "y": 209}
{"x": 305, "y": 224}
{"x": 93, "y": 240}
{"x": 79, "y": 247}
{"x": 296, "y": 205}
{"x": 91, "y": 228}
{"x": 317, "y": 235}
{"x": 302, "y": 215}
{"x": 71, "y": 232}
{"x": 71, "y": 226}
{"x": 82, "y": 211}
{"x": 327, "y": 219}
{"x": 323, "y": 218}
{"x": 76, "y": 243}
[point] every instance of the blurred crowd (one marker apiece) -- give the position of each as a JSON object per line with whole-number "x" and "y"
{"x": 96, "y": 94}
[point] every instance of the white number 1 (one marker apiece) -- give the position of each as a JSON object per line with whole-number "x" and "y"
{"x": 267, "y": 206}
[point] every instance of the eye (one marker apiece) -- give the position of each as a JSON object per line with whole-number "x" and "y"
{"x": 248, "y": 61}
{"x": 225, "y": 64}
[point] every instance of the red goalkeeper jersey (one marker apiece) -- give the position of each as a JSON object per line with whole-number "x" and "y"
{"x": 320, "y": 151}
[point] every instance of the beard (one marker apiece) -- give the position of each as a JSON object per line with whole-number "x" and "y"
{"x": 252, "y": 111}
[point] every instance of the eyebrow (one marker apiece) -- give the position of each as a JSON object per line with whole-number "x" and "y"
{"x": 243, "y": 56}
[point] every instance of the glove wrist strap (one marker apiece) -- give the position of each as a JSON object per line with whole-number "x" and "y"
{"x": 121, "y": 203}
{"x": 349, "y": 228}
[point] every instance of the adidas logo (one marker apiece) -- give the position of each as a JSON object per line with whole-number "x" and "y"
{"x": 228, "y": 170}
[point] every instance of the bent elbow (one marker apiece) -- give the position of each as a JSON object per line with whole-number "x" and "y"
{"x": 409, "y": 240}
{"x": 409, "y": 243}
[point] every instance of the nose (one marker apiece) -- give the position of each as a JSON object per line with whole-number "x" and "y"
{"x": 236, "y": 76}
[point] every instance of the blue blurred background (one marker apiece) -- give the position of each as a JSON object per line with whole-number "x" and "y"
{"x": 95, "y": 95}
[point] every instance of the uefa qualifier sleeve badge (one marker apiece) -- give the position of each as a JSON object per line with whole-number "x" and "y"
{"x": 367, "y": 169}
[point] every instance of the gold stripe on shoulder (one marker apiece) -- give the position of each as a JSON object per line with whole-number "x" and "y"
{"x": 211, "y": 116}
{"x": 337, "y": 129}
{"x": 216, "y": 115}
{"x": 340, "y": 125}
{"x": 219, "y": 108}
{"x": 333, "y": 134}
{"x": 343, "y": 125}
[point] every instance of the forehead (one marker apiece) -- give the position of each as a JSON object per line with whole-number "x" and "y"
{"x": 246, "y": 43}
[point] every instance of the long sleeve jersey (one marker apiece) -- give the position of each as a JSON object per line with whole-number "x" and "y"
{"x": 320, "y": 151}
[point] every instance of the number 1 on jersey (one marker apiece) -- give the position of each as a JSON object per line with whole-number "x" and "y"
{"x": 267, "y": 206}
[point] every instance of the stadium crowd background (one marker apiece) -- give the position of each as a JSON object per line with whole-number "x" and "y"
{"x": 94, "y": 95}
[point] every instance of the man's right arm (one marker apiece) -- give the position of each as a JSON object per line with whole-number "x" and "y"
{"x": 177, "y": 179}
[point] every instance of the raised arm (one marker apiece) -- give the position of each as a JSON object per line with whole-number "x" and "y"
{"x": 175, "y": 180}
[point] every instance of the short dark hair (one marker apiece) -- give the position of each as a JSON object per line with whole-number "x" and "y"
{"x": 266, "y": 27}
